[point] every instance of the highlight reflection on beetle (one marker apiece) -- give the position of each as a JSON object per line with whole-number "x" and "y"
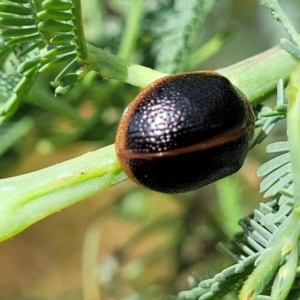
{"x": 185, "y": 131}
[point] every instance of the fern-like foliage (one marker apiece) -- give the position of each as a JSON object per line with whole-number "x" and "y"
{"x": 36, "y": 37}
{"x": 179, "y": 33}
{"x": 268, "y": 263}
{"x": 16, "y": 47}
{"x": 266, "y": 117}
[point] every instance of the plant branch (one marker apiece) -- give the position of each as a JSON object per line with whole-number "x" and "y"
{"x": 28, "y": 198}
{"x": 31, "y": 197}
{"x": 110, "y": 66}
{"x": 257, "y": 76}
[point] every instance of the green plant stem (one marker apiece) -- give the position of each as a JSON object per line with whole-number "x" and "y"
{"x": 293, "y": 122}
{"x": 28, "y": 198}
{"x": 110, "y": 66}
{"x": 131, "y": 30}
{"x": 257, "y": 76}
{"x": 79, "y": 36}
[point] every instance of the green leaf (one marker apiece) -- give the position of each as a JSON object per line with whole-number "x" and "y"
{"x": 278, "y": 147}
{"x": 275, "y": 176}
{"x": 221, "y": 283}
{"x": 57, "y": 62}
{"x": 56, "y": 5}
{"x": 21, "y": 1}
{"x": 61, "y": 39}
{"x": 55, "y": 26}
{"x": 15, "y": 9}
{"x": 15, "y": 21}
{"x": 23, "y": 39}
{"x": 54, "y": 15}
{"x": 21, "y": 32}
{"x": 273, "y": 164}
{"x": 28, "y": 64}
{"x": 15, "y": 92}
{"x": 59, "y": 51}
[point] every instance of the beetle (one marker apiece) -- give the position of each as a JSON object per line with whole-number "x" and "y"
{"x": 185, "y": 131}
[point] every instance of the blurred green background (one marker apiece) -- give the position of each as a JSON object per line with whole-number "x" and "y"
{"x": 127, "y": 242}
